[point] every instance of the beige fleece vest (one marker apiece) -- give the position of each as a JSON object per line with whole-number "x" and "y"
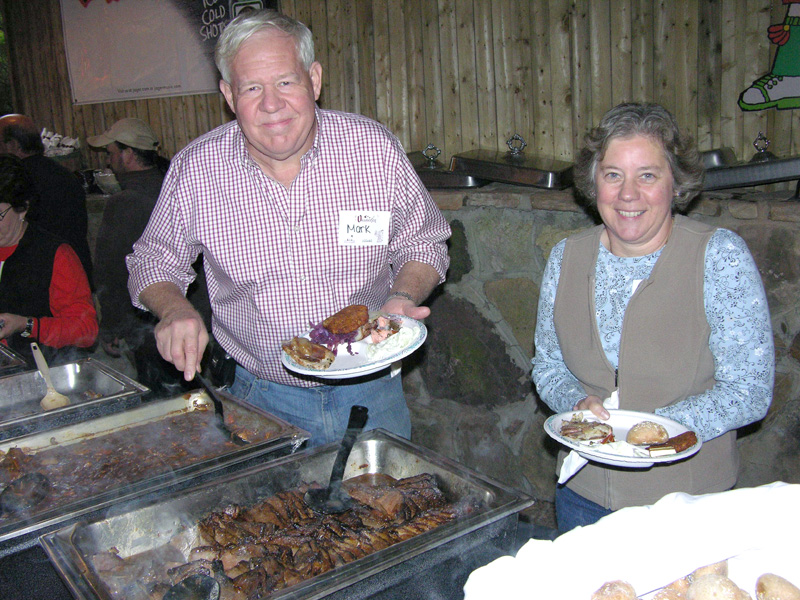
{"x": 664, "y": 357}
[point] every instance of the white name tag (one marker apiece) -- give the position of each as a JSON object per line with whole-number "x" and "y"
{"x": 364, "y": 228}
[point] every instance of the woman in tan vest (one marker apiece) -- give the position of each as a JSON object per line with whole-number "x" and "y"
{"x": 665, "y": 309}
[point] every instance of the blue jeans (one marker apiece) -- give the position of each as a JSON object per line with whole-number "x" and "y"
{"x": 573, "y": 510}
{"x": 324, "y": 410}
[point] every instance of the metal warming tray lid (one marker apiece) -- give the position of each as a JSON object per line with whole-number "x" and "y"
{"x": 10, "y": 361}
{"x": 137, "y": 530}
{"x": 435, "y": 175}
{"x": 148, "y": 426}
{"x": 515, "y": 166}
{"x": 752, "y": 173}
{"x": 92, "y": 387}
{"x": 763, "y": 168}
{"x": 718, "y": 157}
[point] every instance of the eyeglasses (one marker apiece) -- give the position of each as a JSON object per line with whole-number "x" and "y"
{"x": 4, "y": 213}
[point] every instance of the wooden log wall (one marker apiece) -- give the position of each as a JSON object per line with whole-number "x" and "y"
{"x": 466, "y": 74}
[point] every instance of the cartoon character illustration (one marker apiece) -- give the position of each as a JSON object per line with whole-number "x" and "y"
{"x": 780, "y": 88}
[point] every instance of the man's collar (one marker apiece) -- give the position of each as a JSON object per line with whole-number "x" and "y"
{"x": 243, "y": 154}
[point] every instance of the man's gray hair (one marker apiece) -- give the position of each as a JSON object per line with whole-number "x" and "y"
{"x": 250, "y": 22}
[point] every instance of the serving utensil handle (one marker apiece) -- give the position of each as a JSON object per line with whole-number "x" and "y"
{"x": 41, "y": 363}
{"x": 356, "y": 422}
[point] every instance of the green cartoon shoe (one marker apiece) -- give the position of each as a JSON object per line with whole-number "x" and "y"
{"x": 781, "y": 92}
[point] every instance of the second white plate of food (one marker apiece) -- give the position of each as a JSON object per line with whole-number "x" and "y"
{"x": 620, "y": 421}
{"x": 368, "y": 357}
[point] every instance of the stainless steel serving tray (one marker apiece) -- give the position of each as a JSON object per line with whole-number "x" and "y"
{"x": 142, "y": 528}
{"x": 435, "y": 175}
{"x": 11, "y": 362}
{"x": 719, "y": 157}
{"x": 92, "y": 387}
{"x": 518, "y": 168}
{"x": 753, "y": 173}
{"x": 273, "y": 436}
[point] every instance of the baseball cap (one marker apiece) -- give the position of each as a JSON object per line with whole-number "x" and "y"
{"x": 131, "y": 132}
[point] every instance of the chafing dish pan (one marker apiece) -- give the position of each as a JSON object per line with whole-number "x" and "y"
{"x": 92, "y": 387}
{"x": 508, "y": 167}
{"x": 268, "y": 434}
{"x": 719, "y": 157}
{"x": 753, "y": 173}
{"x": 142, "y": 528}
{"x": 11, "y": 362}
{"x": 435, "y": 175}
{"x": 514, "y": 166}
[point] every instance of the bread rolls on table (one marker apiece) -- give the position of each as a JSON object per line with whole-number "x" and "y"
{"x": 710, "y": 582}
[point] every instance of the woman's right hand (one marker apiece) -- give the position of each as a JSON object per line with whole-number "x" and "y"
{"x": 11, "y": 324}
{"x": 594, "y": 404}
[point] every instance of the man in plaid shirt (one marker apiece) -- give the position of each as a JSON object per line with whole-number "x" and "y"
{"x": 298, "y": 212}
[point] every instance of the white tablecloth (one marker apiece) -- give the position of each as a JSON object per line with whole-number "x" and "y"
{"x": 757, "y": 529}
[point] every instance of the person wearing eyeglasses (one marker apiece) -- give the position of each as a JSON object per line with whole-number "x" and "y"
{"x": 61, "y": 208}
{"x": 44, "y": 291}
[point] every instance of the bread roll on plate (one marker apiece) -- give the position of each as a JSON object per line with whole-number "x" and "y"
{"x": 647, "y": 432}
{"x": 668, "y": 594}
{"x": 615, "y": 590}
{"x": 774, "y": 587}
{"x": 719, "y": 568}
{"x": 714, "y": 587}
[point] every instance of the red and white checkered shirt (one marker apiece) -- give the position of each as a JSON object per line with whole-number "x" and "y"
{"x": 272, "y": 257}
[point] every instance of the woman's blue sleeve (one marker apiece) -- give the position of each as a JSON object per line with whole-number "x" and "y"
{"x": 740, "y": 340}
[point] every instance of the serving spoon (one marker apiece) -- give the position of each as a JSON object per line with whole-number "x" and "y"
{"x": 333, "y": 499}
{"x": 218, "y": 410}
{"x": 52, "y": 399}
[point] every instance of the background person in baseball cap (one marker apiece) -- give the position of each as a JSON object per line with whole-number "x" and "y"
{"x": 133, "y": 133}
{"x": 132, "y": 155}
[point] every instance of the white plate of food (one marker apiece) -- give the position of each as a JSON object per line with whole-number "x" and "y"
{"x": 679, "y": 443}
{"x": 401, "y": 335}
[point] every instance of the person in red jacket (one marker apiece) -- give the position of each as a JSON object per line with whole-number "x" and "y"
{"x": 44, "y": 290}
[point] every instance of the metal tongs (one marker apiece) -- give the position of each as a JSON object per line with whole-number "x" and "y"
{"x": 212, "y": 392}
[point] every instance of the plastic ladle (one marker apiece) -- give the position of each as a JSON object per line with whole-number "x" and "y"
{"x": 333, "y": 499}
{"x": 52, "y": 399}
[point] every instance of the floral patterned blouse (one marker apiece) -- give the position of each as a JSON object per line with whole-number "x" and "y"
{"x": 740, "y": 340}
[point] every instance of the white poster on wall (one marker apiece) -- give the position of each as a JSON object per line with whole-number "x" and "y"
{"x": 132, "y": 49}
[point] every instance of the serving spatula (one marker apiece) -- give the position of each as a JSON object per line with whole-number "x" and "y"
{"x": 212, "y": 392}
{"x": 333, "y": 499}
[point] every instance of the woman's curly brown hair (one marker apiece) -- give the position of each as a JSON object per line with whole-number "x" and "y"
{"x": 652, "y": 121}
